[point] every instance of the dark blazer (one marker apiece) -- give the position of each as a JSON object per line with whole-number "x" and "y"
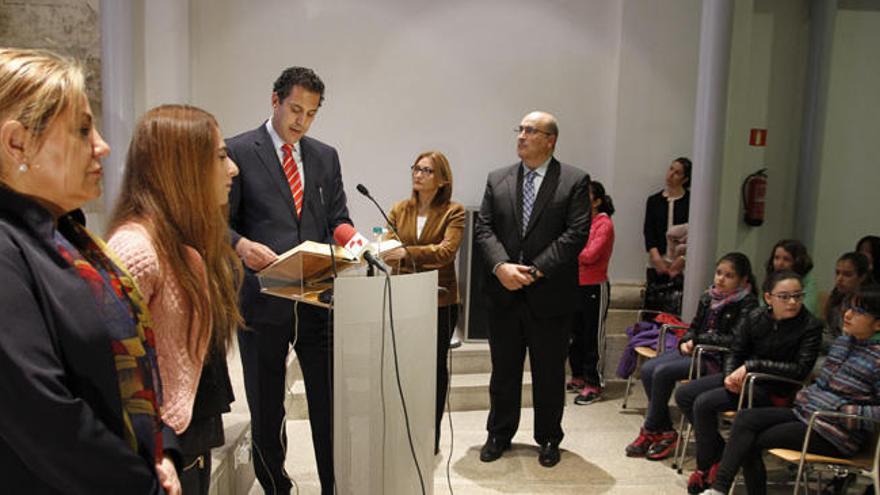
{"x": 61, "y": 420}
{"x": 261, "y": 207}
{"x": 436, "y": 247}
{"x": 557, "y": 231}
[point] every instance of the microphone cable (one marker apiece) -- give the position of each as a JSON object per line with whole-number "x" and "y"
{"x": 449, "y": 328}
{"x": 386, "y": 295}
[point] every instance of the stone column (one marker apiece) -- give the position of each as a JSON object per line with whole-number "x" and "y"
{"x": 716, "y": 29}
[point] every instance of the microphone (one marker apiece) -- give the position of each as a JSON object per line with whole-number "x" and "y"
{"x": 346, "y": 236}
{"x": 363, "y": 190}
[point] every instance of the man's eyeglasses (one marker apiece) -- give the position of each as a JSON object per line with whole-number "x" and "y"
{"x": 529, "y": 130}
{"x": 789, "y": 296}
{"x": 422, "y": 170}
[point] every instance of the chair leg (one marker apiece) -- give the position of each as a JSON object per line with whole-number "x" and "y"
{"x": 629, "y": 381}
{"x": 678, "y": 459}
{"x": 626, "y": 392}
{"x": 684, "y": 442}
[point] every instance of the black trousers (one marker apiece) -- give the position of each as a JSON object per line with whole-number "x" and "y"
{"x": 512, "y": 331}
{"x": 263, "y": 356}
{"x": 700, "y": 401}
{"x": 586, "y": 354}
{"x": 447, "y": 318}
{"x": 760, "y": 429}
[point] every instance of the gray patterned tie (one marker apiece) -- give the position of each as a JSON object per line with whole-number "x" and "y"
{"x": 528, "y": 198}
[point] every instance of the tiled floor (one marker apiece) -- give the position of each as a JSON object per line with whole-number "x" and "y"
{"x": 592, "y": 458}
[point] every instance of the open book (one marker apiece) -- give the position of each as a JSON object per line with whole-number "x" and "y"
{"x": 309, "y": 263}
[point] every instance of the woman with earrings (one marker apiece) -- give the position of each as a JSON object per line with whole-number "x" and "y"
{"x": 849, "y": 382}
{"x": 430, "y": 226}
{"x": 78, "y": 372}
{"x": 169, "y": 227}
{"x": 782, "y": 339}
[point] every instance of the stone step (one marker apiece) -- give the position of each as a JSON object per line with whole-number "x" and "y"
{"x": 627, "y": 295}
{"x": 232, "y": 472}
{"x": 471, "y": 368}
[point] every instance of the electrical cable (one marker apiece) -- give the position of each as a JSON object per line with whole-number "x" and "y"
{"x": 399, "y": 385}
{"x": 449, "y": 328}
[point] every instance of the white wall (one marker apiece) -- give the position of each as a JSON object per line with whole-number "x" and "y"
{"x": 768, "y": 67}
{"x": 457, "y": 76}
{"x": 655, "y": 116}
{"x": 850, "y": 179}
{"x": 403, "y": 77}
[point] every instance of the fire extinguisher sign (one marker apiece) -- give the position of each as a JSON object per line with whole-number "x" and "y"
{"x": 758, "y": 137}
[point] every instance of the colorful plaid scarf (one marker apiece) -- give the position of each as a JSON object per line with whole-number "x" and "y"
{"x": 121, "y": 305}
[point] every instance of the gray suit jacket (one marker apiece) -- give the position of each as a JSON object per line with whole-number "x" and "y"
{"x": 557, "y": 231}
{"x": 261, "y": 208}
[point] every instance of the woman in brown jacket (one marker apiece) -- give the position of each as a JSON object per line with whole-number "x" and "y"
{"x": 430, "y": 227}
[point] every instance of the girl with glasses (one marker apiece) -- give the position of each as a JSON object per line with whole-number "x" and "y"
{"x": 847, "y": 383}
{"x": 782, "y": 339}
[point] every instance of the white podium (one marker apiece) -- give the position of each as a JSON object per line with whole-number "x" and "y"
{"x": 371, "y": 447}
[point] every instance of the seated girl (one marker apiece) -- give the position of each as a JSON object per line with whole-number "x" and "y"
{"x": 850, "y": 273}
{"x": 847, "y": 383}
{"x": 782, "y": 339}
{"x": 731, "y": 296}
{"x": 791, "y": 254}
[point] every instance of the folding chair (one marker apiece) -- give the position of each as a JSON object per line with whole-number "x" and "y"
{"x": 863, "y": 463}
{"x": 644, "y": 353}
{"x": 695, "y": 372}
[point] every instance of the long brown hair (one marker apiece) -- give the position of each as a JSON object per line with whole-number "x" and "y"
{"x": 168, "y": 186}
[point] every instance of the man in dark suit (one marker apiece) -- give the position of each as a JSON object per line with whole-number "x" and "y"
{"x": 533, "y": 222}
{"x": 289, "y": 190}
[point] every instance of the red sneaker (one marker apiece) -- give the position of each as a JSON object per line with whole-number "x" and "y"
{"x": 639, "y": 446}
{"x": 663, "y": 446}
{"x": 697, "y": 482}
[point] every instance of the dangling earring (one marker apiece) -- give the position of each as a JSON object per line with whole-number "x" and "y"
{"x": 23, "y": 167}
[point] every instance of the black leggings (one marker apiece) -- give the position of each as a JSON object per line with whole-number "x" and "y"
{"x": 759, "y": 429}
{"x": 586, "y": 354}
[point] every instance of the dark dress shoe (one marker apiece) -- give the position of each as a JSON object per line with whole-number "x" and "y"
{"x": 493, "y": 448}
{"x": 548, "y": 454}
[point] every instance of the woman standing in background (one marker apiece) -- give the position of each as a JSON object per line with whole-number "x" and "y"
{"x": 664, "y": 210}
{"x": 430, "y": 225}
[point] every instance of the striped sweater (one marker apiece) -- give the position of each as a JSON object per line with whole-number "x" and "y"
{"x": 848, "y": 382}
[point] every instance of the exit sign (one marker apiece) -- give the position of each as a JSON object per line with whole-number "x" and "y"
{"x": 758, "y": 137}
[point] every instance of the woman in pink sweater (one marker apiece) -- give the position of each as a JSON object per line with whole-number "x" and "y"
{"x": 169, "y": 228}
{"x": 587, "y": 351}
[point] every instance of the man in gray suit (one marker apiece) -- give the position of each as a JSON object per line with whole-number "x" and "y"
{"x": 533, "y": 222}
{"x": 289, "y": 190}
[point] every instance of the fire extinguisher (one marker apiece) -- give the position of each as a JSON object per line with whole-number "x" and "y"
{"x": 754, "y": 190}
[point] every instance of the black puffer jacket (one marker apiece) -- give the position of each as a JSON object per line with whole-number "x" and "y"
{"x": 786, "y": 348}
{"x": 722, "y": 334}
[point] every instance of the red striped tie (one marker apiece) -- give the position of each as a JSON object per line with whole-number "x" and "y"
{"x": 291, "y": 171}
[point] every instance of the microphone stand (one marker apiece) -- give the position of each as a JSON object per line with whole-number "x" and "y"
{"x": 326, "y": 296}
{"x": 364, "y": 191}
